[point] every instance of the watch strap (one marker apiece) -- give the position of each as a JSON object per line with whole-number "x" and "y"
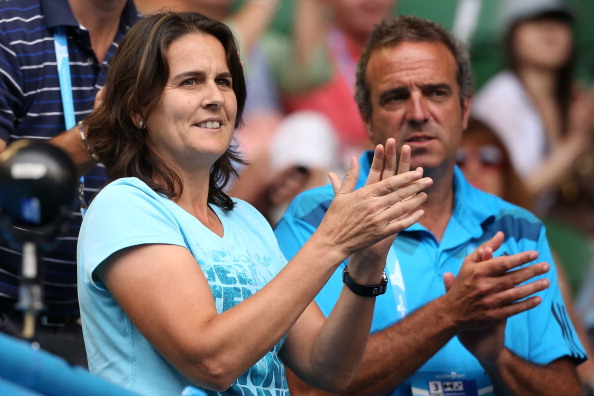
{"x": 364, "y": 290}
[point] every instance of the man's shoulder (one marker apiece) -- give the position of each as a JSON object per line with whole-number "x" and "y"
{"x": 22, "y": 26}
{"x": 515, "y": 222}
{"x": 20, "y": 12}
{"x": 311, "y": 205}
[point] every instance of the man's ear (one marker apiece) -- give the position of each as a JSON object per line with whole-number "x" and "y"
{"x": 368, "y": 125}
{"x": 466, "y": 112}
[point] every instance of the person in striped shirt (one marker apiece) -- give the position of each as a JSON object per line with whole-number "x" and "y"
{"x": 31, "y": 106}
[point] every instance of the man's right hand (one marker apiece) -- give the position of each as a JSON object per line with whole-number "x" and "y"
{"x": 487, "y": 291}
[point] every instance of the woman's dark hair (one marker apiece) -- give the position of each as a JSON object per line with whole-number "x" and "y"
{"x": 136, "y": 78}
{"x": 563, "y": 92}
{"x": 394, "y": 31}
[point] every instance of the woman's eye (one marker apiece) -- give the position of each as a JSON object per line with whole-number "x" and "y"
{"x": 189, "y": 81}
{"x": 224, "y": 82}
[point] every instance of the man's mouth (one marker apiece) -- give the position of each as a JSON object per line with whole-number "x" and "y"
{"x": 419, "y": 139}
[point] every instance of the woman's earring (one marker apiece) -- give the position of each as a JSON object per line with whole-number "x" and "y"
{"x": 141, "y": 125}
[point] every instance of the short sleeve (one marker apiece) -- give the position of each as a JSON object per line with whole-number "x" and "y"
{"x": 122, "y": 216}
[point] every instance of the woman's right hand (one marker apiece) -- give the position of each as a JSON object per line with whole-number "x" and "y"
{"x": 386, "y": 205}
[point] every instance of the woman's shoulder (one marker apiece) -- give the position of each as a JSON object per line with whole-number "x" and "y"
{"x": 126, "y": 185}
{"x": 245, "y": 209}
{"x": 126, "y": 192}
{"x": 499, "y": 86}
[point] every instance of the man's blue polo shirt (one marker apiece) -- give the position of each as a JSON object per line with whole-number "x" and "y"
{"x": 417, "y": 262}
{"x": 31, "y": 107}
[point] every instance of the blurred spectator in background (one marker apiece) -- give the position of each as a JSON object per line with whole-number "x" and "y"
{"x": 342, "y": 28}
{"x": 323, "y": 128}
{"x": 33, "y": 107}
{"x": 484, "y": 160}
{"x": 535, "y": 105}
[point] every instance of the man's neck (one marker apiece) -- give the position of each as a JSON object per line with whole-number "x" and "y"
{"x": 218, "y": 11}
{"x": 440, "y": 201}
{"x": 101, "y": 18}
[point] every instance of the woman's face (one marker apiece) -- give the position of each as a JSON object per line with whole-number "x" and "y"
{"x": 482, "y": 164}
{"x": 543, "y": 43}
{"x": 193, "y": 121}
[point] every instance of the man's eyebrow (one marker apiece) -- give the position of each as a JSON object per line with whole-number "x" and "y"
{"x": 439, "y": 86}
{"x": 398, "y": 91}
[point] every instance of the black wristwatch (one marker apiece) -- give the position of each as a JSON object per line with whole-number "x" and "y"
{"x": 365, "y": 290}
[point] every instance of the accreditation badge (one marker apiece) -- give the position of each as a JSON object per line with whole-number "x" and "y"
{"x": 454, "y": 383}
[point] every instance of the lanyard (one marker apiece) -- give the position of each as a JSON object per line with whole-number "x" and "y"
{"x": 63, "y": 64}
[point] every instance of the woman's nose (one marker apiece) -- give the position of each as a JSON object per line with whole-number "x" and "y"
{"x": 213, "y": 97}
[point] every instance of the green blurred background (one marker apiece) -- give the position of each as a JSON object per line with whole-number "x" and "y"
{"x": 484, "y": 46}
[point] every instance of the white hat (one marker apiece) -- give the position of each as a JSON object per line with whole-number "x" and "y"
{"x": 512, "y": 11}
{"x": 305, "y": 138}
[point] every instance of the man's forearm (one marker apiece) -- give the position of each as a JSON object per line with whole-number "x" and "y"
{"x": 70, "y": 141}
{"x": 511, "y": 375}
{"x": 393, "y": 354}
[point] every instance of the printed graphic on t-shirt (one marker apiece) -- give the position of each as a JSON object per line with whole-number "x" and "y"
{"x": 232, "y": 279}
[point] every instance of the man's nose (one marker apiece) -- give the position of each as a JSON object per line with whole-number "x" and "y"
{"x": 417, "y": 112}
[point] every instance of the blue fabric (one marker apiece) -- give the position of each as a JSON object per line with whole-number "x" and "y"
{"x": 31, "y": 107}
{"x": 540, "y": 335}
{"x": 128, "y": 213}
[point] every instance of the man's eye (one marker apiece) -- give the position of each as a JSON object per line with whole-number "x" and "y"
{"x": 394, "y": 98}
{"x": 439, "y": 93}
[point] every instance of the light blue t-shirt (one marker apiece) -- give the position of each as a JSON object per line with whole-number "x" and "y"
{"x": 415, "y": 267}
{"x": 128, "y": 213}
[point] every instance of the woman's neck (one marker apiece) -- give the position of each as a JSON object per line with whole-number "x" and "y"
{"x": 538, "y": 81}
{"x": 194, "y": 200}
{"x": 541, "y": 86}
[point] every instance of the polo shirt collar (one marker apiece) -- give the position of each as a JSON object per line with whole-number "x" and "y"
{"x": 469, "y": 202}
{"x": 57, "y": 13}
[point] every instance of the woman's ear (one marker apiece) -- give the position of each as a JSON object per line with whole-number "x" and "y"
{"x": 138, "y": 120}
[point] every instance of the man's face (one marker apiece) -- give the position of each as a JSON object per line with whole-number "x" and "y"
{"x": 415, "y": 99}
